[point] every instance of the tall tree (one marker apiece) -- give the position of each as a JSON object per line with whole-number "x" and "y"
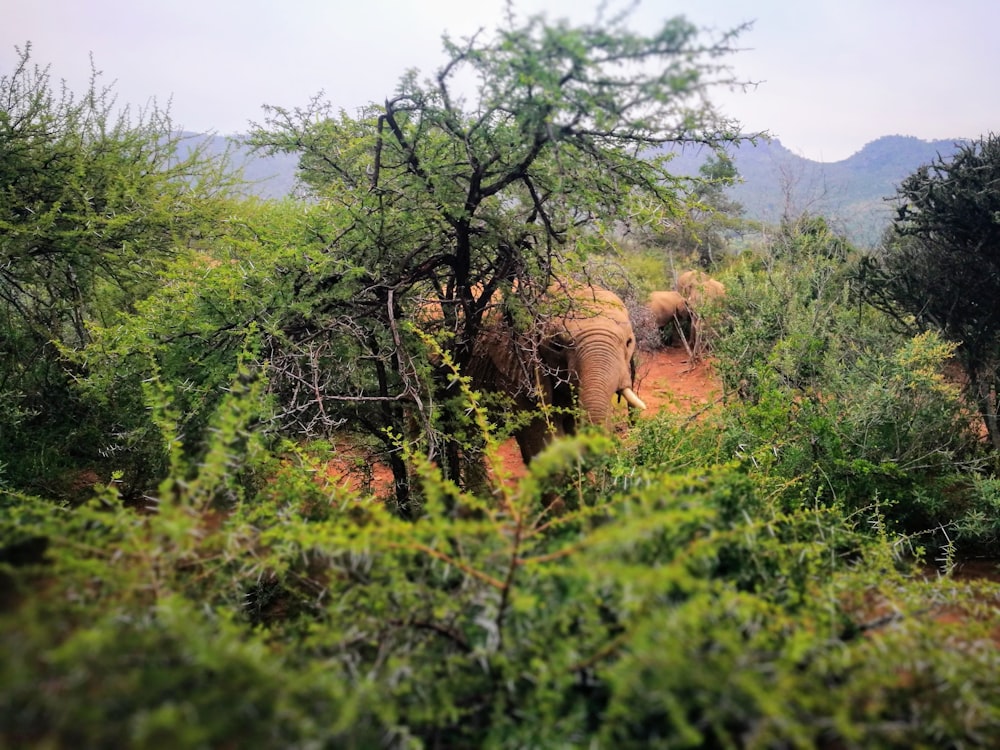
{"x": 939, "y": 266}
{"x": 447, "y": 194}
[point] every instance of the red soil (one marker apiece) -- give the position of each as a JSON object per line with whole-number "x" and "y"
{"x": 667, "y": 378}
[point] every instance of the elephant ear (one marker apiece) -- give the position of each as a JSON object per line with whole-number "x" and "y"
{"x": 557, "y": 347}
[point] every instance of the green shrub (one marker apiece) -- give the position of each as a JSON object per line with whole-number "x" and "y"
{"x": 95, "y": 203}
{"x": 977, "y": 529}
{"x": 831, "y": 405}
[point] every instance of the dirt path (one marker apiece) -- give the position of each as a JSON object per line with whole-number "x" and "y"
{"x": 667, "y": 379}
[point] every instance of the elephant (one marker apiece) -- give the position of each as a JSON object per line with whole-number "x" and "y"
{"x": 577, "y": 354}
{"x": 698, "y": 286}
{"x": 670, "y": 311}
{"x": 699, "y": 289}
{"x": 686, "y": 280}
{"x": 703, "y": 292}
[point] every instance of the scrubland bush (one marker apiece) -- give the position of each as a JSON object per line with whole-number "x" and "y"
{"x": 828, "y": 402}
{"x": 96, "y": 201}
{"x": 748, "y": 578}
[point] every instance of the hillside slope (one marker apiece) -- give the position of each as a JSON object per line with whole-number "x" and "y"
{"x": 853, "y": 194}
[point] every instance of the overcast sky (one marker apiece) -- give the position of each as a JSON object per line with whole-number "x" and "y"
{"x": 833, "y": 74}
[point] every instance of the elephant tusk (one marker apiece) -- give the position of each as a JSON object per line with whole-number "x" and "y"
{"x": 632, "y": 399}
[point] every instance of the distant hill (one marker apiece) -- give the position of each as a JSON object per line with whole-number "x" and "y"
{"x": 852, "y": 194}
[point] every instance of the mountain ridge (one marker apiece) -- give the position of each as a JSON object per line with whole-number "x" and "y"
{"x": 854, "y": 194}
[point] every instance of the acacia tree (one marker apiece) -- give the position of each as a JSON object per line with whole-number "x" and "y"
{"x": 446, "y": 196}
{"x": 939, "y": 266}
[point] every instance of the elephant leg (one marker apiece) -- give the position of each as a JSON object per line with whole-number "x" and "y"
{"x": 475, "y": 476}
{"x": 540, "y": 432}
{"x": 533, "y": 438}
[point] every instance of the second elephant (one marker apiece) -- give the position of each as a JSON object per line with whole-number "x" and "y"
{"x": 578, "y": 355}
{"x": 670, "y": 312}
{"x": 700, "y": 290}
{"x": 697, "y": 287}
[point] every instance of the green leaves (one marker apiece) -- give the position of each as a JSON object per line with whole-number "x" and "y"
{"x": 940, "y": 264}
{"x": 832, "y": 405}
{"x": 671, "y": 609}
{"x": 93, "y": 205}
{"x": 221, "y": 587}
{"x": 449, "y": 195}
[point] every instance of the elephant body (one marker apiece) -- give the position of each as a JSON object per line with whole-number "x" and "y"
{"x": 578, "y": 354}
{"x": 667, "y": 306}
{"x": 698, "y": 288}
{"x": 709, "y": 289}
{"x": 670, "y": 312}
{"x": 687, "y": 280}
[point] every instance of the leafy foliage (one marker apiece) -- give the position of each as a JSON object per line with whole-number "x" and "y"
{"x": 214, "y": 311}
{"x": 678, "y": 610}
{"x": 746, "y": 578}
{"x": 830, "y": 400}
{"x": 711, "y": 218}
{"x": 92, "y": 205}
{"x": 446, "y": 202}
{"x": 939, "y": 267}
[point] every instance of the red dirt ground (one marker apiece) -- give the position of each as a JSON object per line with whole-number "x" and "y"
{"x": 667, "y": 378}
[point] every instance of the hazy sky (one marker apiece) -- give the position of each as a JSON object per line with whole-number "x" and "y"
{"x": 833, "y": 74}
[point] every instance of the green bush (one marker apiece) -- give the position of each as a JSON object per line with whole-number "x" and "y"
{"x": 828, "y": 403}
{"x": 748, "y": 578}
{"x": 95, "y": 203}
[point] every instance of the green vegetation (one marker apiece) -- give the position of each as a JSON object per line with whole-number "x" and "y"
{"x": 179, "y": 569}
{"x": 939, "y": 267}
{"x": 93, "y": 205}
{"x": 440, "y": 202}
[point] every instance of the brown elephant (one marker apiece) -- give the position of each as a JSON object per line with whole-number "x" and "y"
{"x": 686, "y": 280}
{"x": 670, "y": 312}
{"x": 667, "y": 306}
{"x": 698, "y": 286}
{"x": 578, "y": 354}
{"x": 699, "y": 289}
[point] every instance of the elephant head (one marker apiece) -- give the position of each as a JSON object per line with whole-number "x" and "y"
{"x": 584, "y": 345}
{"x": 698, "y": 286}
{"x": 688, "y": 280}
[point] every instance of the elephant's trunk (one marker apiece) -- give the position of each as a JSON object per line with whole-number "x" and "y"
{"x": 604, "y": 372}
